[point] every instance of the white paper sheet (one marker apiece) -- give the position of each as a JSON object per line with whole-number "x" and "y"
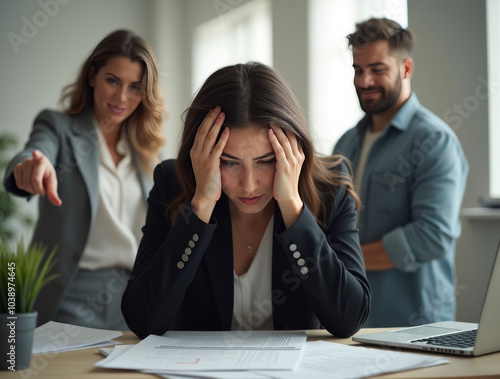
{"x": 213, "y": 351}
{"x": 113, "y": 352}
{"x": 55, "y": 336}
{"x": 212, "y": 375}
{"x": 329, "y": 360}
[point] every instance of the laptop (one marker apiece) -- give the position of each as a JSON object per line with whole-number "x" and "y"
{"x": 451, "y": 337}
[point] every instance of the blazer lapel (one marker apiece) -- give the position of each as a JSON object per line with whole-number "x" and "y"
{"x": 219, "y": 262}
{"x": 85, "y": 142}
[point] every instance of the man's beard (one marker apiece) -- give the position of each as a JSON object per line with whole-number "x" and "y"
{"x": 387, "y": 100}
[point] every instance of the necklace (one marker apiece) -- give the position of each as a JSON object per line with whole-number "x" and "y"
{"x": 249, "y": 246}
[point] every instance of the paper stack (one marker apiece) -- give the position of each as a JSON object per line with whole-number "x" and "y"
{"x": 257, "y": 355}
{"x": 55, "y": 336}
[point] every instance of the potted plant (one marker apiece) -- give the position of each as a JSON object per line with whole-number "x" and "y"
{"x": 23, "y": 273}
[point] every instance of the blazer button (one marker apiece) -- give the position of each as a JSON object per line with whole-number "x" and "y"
{"x": 293, "y": 247}
{"x": 195, "y": 237}
{"x": 191, "y": 244}
{"x": 180, "y": 265}
{"x": 301, "y": 262}
{"x": 296, "y": 254}
{"x": 187, "y": 251}
{"x": 304, "y": 270}
{"x": 185, "y": 257}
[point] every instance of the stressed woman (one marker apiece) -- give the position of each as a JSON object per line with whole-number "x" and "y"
{"x": 248, "y": 228}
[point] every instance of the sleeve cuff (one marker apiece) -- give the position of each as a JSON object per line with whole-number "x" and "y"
{"x": 399, "y": 251}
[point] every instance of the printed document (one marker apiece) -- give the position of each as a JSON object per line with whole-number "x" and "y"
{"x": 326, "y": 360}
{"x": 213, "y": 351}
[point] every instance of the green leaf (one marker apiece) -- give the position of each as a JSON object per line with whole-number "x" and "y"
{"x": 33, "y": 270}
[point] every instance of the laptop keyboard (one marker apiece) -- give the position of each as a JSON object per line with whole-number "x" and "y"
{"x": 461, "y": 339}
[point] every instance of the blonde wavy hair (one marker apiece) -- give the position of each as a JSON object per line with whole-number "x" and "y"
{"x": 144, "y": 126}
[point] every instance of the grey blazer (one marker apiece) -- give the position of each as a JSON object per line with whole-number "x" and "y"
{"x": 71, "y": 145}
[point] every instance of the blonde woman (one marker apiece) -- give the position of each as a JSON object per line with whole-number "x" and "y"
{"x": 92, "y": 169}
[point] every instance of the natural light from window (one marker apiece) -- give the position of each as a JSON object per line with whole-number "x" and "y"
{"x": 333, "y": 104}
{"x": 241, "y": 35}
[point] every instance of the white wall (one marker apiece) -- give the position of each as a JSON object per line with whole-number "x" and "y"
{"x": 450, "y": 63}
{"x": 170, "y": 41}
{"x": 290, "y": 45}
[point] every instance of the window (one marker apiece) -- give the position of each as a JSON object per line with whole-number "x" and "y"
{"x": 241, "y": 35}
{"x": 333, "y": 104}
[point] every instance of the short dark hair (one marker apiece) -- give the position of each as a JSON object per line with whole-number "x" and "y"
{"x": 376, "y": 29}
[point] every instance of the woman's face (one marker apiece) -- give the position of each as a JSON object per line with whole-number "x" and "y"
{"x": 248, "y": 164}
{"x": 117, "y": 90}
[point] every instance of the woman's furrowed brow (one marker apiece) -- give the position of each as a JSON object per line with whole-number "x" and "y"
{"x": 270, "y": 154}
{"x": 267, "y": 155}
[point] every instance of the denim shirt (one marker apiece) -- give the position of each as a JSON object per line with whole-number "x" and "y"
{"x": 411, "y": 193}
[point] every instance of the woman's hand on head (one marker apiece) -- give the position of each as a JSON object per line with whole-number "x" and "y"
{"x": 205, "y": 158}
{"x": 289, "y": 160}
{"x": 36, "y": 175}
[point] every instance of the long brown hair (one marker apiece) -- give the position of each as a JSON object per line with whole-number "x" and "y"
{"x": 255, "y": 94}
{"x": 144, "y": 126}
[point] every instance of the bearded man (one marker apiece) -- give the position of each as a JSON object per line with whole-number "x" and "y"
{"x": 410, "y": 172}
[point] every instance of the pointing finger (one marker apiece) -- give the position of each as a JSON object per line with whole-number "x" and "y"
{"x": 50, "y": 184}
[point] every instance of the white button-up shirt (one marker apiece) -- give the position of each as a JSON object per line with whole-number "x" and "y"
{"x": 121, "y": 212}
{"x": 253, "y": 307}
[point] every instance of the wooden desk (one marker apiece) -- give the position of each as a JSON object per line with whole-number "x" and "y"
{"x": 80, "y": 364}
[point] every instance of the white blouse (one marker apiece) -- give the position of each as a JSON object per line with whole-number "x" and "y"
{"x": 253, "y": 308}
{"x": 121, "y": 212}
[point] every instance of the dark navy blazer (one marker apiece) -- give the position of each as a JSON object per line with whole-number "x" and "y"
{"x": 183, "y": 274}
